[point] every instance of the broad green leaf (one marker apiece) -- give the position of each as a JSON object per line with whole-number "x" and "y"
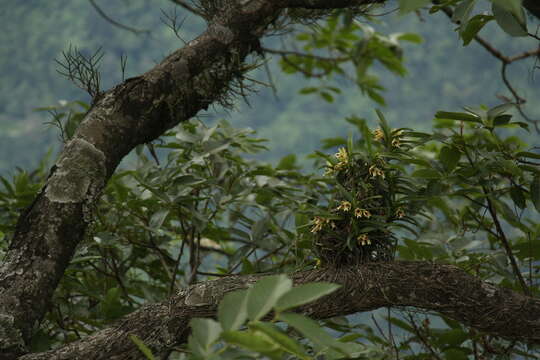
{"x": 535, "y": 192}
{"x": 232, "y": 310}
{"x": 514, "y": 7}
{"x": 411, "y": 37}
{"x": 463, "y": 11}
{"x": 457, "y": 116}
{"x": 265, "y": 293}
{"x": 281, "y": 339}
{"x": 456, "y": 354}
{"x": 518, "y": 197}
{"x": 157, "y": 218}
{"x": 449, "y": 157}
{"x": 313, "y": 331}
{"x": 250, "y": 340}
{"x": 287, "y": 162}
{"x": 427, "y": 174}
{"x": 527, "y": 249}
{"x": 528, "y": 155}
{"x": 205, "y": 331}
{"x": 502, "y": 120}
{"x": 499, "y": 110}
{"x": 406, "y": 6}
{"x": 304, "y": 294}
{"x": 473, "y": 27}
{"x": 142, "y": 347}
{"x": 308, "y": 90}
{"x": 258, "y": 229}
{"x": 508, "y": 21}
{"x": 327, "y": 96}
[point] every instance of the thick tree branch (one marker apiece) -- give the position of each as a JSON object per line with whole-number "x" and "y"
{"x": 445, "y": 289}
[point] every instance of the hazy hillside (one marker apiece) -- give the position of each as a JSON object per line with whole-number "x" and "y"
{"x": 442, "y": 74}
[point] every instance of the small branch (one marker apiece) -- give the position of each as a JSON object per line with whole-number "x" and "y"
{"x": 189, "y": 8}
{"x": 492, "y": 50}
{"x": 171, "y": 21}
{"x": 506, "y": 245}
{"x": 297, "y": 53}
{"x": 114, "y": 22}
{"x": 82, "y": 70}
{"x": 519, "y": 99}
{"x": 525, "y": 55}
{"x": 419, "y": 333}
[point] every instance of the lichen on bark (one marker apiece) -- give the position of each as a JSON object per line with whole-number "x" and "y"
{"x": 78, "y": 176}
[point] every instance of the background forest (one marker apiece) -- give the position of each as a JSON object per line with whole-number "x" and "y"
{"x": 440, "y": 74}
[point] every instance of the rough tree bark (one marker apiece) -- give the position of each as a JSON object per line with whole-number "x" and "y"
{"x": 138, "y": 111}
{"x": 445, "y": 289}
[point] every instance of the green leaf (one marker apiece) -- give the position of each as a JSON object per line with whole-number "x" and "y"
{"x": 232, "y": 310}
{"x": 502, "y": 120}
{"x": 157, "y": 218}
{"x": 518, "y": 197}
{"x": 280, "y": 338}
{"x": 473, "y": 27}
{"x": 249, "y": 340}
{"x": 456, "y": 354}
{"x": 308, "y": 90}
{"x": 457, "y": 116}
{"x": 406, "y": 6}
{"x": 427, "y": 174}
{"x": 508, "y": 21}
{"x": 499, "y": 110}
{"x": 449, "y": 157}
{"x": 288, "y": 162}
{"x": 463, "y": 11}
{"x": 411, "y": 37}
{"x": 326, "y": 96}
{"x": 514, "y": 7}
{"x": 535, "y": 192}
{"x": 304, "y": 294}
{"x": 258, "y": 229}
{"x": 205, "y": 331}
{"x": 528, "y": 155}
{"x": 142, "y": 347}
{"x": 265, "y": 294}
{"x": 313, "y": 331}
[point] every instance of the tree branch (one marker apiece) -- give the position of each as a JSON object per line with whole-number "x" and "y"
{"x": 445, "y": 289}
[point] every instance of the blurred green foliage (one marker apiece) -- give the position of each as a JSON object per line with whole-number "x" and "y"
{"x": 440, "y": 73}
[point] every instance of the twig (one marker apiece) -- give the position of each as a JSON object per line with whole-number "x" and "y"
{"x": 422, "y": 338}
{"x": 189, "y": 8}
{"x": 82, "y": 70}
{"x": 171, "y": 21}
{"x": 114, "y": 22}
